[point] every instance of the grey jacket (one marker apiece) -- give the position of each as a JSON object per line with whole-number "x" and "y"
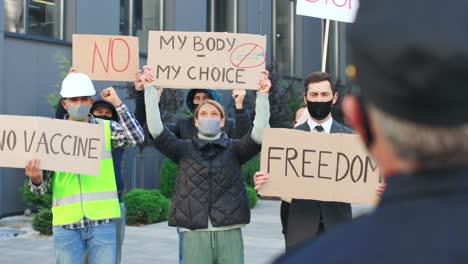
{"x": 304, "y": 215}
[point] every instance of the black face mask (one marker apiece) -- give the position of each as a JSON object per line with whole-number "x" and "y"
{"x": 319, "y": 110}
{"x": 103, "y": 117}
{"x": 368, "y": 137}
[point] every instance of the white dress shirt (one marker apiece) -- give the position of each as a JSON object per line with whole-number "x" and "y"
{"x": 326, "y": 126}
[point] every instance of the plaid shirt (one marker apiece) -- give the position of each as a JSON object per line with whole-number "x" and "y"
{"x": 126, "y": 133}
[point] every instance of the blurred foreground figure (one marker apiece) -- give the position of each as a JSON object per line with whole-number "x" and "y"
{"x": 412, "y": 60}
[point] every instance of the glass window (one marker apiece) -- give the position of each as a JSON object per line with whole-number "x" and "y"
{"x": 36, "y": 17}
{"x": 146, "y": 18}
{"x": 224, "y": 16}
{"x": 124, "y": 17}
{"x": 143, "y": 16}
{"x": 284, "y": 35}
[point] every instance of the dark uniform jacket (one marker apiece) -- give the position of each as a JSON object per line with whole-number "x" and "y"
{"x": 421, "y": 218}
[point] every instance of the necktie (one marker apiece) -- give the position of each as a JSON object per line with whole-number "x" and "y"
{"x": 319, "y": 128}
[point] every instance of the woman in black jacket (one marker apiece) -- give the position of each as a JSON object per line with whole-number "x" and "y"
{"x": 210, "y": 201}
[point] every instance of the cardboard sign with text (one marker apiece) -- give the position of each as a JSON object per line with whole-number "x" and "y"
{"x": 60, "y": 145}
{"x": 318, "y": 166}
{"x": 105, "y": 57}
{"x": 339, "y": 10}
{"x": 206, "y": 59}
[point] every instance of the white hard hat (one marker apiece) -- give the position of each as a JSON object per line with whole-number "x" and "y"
{"x": 77, "y": 84}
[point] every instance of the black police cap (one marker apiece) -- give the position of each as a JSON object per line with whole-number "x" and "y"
{"x": 412, "y": 58}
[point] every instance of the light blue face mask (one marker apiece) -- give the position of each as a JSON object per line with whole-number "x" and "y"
{"x": 78, "y": 112}
{"x": 209, "y": 127}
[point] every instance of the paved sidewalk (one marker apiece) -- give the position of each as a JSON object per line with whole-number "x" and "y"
{"x": 156, "y": 243}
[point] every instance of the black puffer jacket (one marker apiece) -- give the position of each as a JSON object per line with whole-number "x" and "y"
{"x": 209, "y": 181}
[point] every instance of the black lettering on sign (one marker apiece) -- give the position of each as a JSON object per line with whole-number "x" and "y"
{"x": 92, "y": 147}
{"x": 339, "y": 157}
{"x": 211, "y": 44}
{"x": 182, "y": 41}
{"x": 356, "y": 179}
{"x": 52, "y": 143}
{"x": 10, "y": 140}
{"x": 170, "y": 72}
{"x": 215, "y": 74}
{"x": 27, "y": 146}
{"x": 169, "y": 42}
{"x": 74, "y": 146}
{"x": 322, "y": 164}
{"x": 304, "y": 162}
{"x": 197, "y": 44}
{"x": 191, "y": 77}
{"x": 288, "y": 160}
{"x": 61, "y": 145}
{"x": 369, "y": 164}
{"x": 204, "y": 73}
{"x": 43, "y": 141}
{"x": 272, "y": 158}
{"x": 163, "y": 70}
{"x": 231, "y": 44}
{"x": 82, "y": 146}
{"x": 239, "y": 76}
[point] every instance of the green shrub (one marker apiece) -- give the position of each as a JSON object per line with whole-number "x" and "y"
{"x": 146, "y": 206}
{"x": 34, "y": 201}
{"x": 252, "y": 195}
{"x": 42, "y": 222}
{"x": 248, "y": 170}
{"x": 167, "y": 178}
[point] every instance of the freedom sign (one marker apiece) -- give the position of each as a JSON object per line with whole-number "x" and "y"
{"x": 206, "y": 59}
{"x": 318, "y": 166}
{"x": 60, "y": 145}
{"x": 339, "y": 10}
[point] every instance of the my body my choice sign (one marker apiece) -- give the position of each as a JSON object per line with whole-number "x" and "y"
{"x": 59, "y": 145}
{"x": 206, "y": 59}
{"x": 318, "y": 166}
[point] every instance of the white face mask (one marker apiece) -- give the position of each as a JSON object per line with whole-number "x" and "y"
{"x": 78, "y": 112}
{"x": 209, "y": 126}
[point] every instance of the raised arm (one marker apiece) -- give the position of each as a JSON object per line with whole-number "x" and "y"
{"x": 243, "y": 123}
{"x": 128, "y": 131}
{"x": 262, "y": 108}
{"x": 155, "y": 125}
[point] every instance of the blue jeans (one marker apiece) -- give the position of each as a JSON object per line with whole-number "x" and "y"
{"x": 120, "y": 231}
{"x": 70, "y": 244}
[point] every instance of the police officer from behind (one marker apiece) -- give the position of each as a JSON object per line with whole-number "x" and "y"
{"x": 412, "y": 59}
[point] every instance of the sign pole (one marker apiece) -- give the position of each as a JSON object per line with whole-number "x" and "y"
{"x": 325, "y": 45}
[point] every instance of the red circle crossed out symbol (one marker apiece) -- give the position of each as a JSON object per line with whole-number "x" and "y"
{"x": 248, "y": 55}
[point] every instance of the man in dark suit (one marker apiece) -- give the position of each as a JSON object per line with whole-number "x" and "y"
{"x": 308, "y": 218}
{"x": 414, "y": 120}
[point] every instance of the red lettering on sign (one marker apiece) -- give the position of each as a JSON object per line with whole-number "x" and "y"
{"x": 110, "y": 56}
{"x": 334, "y": 2}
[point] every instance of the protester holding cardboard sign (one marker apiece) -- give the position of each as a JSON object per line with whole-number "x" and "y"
{"x": 184, "y": 127}
{"x": 210, "y": 203}
{"x": 84, "y": 206}
{"x": 308, "y": 218}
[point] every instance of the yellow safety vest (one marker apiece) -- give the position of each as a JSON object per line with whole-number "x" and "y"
{"x": 75, "y": 196}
